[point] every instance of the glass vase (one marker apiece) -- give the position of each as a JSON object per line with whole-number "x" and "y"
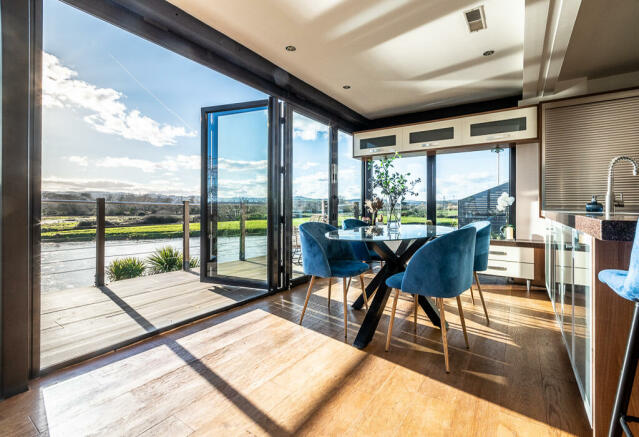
{"x": 393, "y": 214}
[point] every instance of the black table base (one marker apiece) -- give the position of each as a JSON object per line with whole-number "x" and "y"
{"x": 393, "y": 263}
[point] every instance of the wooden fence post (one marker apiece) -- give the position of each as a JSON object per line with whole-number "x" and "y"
{"x": 186, "y": 236}
{"x": 99, "y": 241}
{"x": 242, "y": 230}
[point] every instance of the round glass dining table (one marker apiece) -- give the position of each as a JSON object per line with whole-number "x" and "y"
{"x": 411, "y": 238}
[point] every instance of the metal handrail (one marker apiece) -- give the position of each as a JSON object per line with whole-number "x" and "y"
{"x": 116, "y": 202}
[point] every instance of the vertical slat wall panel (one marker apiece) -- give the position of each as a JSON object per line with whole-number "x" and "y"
{"x": 579, "y": 142}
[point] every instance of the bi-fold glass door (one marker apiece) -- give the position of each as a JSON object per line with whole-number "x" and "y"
{"x": 267, "y": 168}
{"x": 239, "y": 224}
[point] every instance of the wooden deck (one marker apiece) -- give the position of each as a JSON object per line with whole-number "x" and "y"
{"x": 80, "y": 321}
{"x": 255, "y": 370}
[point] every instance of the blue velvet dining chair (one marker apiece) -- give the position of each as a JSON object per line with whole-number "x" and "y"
{"x": 480, "y": 264}
{"x": 442, "y": 268}
{"x": 626, "y": 284}
{"x": 330, "y": 259}
{"x": 362, "y": 252}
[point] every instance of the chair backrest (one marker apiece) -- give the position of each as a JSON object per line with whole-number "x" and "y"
{"x": 442, "y": 267}
{"x": 318, "y": 251}
{"x": 482, "y": 244}
{"x": 360, "y": 248}
{"x": 632, "y": 280}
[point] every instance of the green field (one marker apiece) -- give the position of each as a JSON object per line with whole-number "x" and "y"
{"x": 61, "y": 229}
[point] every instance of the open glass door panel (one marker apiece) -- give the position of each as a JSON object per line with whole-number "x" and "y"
{"x": 235, "y": 150}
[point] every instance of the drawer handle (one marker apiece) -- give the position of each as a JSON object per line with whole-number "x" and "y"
{"x": 503, "y": 269}
{"x": 498, "y": 137}
{"x": 494, "y": 252}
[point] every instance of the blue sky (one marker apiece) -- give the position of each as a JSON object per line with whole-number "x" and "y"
{"x": 123, "y": 114}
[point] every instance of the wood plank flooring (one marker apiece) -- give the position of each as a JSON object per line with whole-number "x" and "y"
{"x": 255, "y": 371}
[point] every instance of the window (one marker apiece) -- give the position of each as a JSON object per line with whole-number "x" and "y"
{"x": 349, "y": 179}
{"x": 468, "y": 186}
{"x": 414, "y": 206}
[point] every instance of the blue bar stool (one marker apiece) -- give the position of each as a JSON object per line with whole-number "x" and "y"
{"x": 482, "y": 247}
{"x": 626, "y": 284}
{"x": 328, "y": 259}
{"x": 361, "y": 249}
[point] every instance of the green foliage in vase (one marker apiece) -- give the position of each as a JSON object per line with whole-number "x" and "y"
{"x": 394, "y": 186}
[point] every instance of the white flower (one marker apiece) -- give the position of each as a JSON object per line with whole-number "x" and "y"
{"x": 504, "y": 201}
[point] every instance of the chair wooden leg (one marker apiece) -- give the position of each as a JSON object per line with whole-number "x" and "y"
{"x": 361, "y": 283}
{"x": 463, "y": 322}
{"x": 345, "y": 285}
{"x": 330, "y": 283}
{"x": 392, "y": 320}
{"x": 442, "y": 316}
{"x": 472, "y": 295}
{"x": 308, "y": 295}
{"x": 415, "y": 312}
{"x": 481, "y": 296}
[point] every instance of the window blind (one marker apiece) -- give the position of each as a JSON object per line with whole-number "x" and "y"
{"x": 578, "y": 143}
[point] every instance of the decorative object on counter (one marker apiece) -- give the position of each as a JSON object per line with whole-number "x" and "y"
{"x": 508, "y": 231}
{"x": 626, "y": 284}
{"x": 394, "y": 186}
{"x": 594, "y": 206}
{"x": 504, "y": 201}
{"x": 373, "y": 206}
{"x": 611, "y": 197}
{"x": 356, "y": 210}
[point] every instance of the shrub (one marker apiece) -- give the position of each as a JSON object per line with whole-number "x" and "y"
{"x": 125, "y": 268}
{"x": 159, "y": 219}
{"x": 194, "y": 262}
{"x": 165, "y": 259}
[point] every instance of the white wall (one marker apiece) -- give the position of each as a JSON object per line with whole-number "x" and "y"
{"x": 529, "y": 225}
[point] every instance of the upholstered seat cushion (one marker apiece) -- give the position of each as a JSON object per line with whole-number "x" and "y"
{"x": 616, "y": 279}
{"x": 347, "y": 268}
{"x": 395, "y": 281}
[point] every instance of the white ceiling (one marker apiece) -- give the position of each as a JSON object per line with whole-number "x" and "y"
{"x": 398, "y": 55}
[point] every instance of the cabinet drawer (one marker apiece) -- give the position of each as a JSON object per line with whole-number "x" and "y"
{"x": 582, "y": 259}
{"x": 510, "y": 269}
{"x": 378, "y": 142}
{"x": 582, "y": 277}
{"x": 511, "y": 125}
{"x": 512, "y": 253}
{"x": 432, "y": 135}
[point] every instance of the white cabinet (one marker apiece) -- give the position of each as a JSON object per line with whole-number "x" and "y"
{"x": 511, "y": 262}
{"x": 432, "y": 135}
{"x": 378, "y": 142}
{"x": 501, "y": 126}
{"x": 510, "y": 125}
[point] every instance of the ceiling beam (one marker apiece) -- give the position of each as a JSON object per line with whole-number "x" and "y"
{"x": 548, "y": 27}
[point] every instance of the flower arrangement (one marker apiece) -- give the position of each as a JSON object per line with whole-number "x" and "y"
{"x": 373, "y": 206}
{"x": 394, "y": 186}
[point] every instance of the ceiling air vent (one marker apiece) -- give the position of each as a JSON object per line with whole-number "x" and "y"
{"x": 476, "y": 19}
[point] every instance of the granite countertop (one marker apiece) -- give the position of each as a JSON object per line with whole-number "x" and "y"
{"x": 616, "y": 227}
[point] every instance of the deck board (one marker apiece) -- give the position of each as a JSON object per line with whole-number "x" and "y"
{"x": 254, "y": 370}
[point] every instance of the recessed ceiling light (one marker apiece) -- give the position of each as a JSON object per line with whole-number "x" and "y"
{"x": 489, "y": 52}
{"x": 290, "y": 48}
{"x": 347, "y": 87}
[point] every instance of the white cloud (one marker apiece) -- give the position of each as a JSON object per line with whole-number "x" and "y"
{"x": 458, "y": 186}
{"x": 238, "y": 165}
{"x": 308, "y": 130}
{"x": 232, "y": 188}
{"x": 82, "y": 161}
{"x": 110, "y": 185}
{"x": 314, "y": 185}
{"x": 107, "y": 113}
{"x": 170, "y": 164}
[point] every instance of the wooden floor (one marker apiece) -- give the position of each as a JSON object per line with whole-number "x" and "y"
{"x": 80, "y": 321}
{"x": 255, "y": 371}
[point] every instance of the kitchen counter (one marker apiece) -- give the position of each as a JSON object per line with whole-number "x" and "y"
{"x": 617, "y": 227}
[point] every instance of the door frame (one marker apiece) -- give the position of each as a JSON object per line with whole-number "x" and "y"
{"x": 206, "y": 218}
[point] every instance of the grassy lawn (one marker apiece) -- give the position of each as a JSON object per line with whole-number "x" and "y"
{"x": 67, "y": 229}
